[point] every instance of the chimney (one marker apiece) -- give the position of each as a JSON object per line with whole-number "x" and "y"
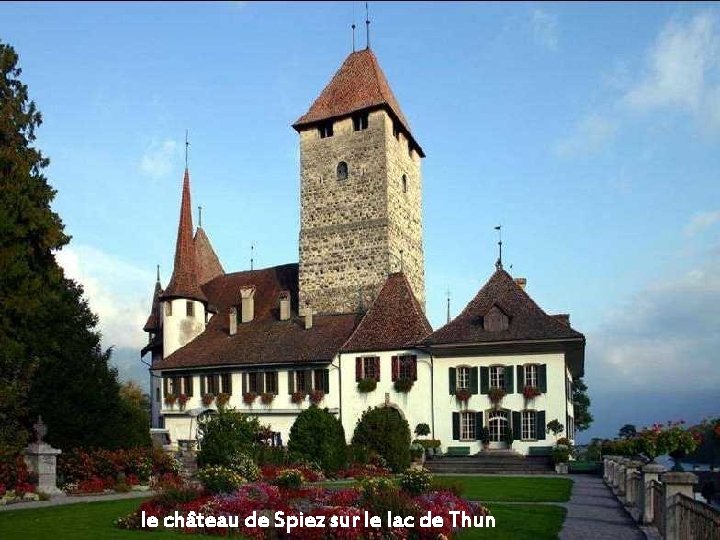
{"x": 521, "y": 281}
{"x": 284, "y": 305}
{"x": 247, "y": 307}
{"x": 563, "y": 318}
{"x": 233, "y": 321}
{"x": 308, "y": 318}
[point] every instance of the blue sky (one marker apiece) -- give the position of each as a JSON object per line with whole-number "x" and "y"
{"x": 590, "y": 131}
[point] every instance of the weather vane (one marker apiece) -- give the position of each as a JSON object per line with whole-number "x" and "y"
{"x": 187, "y": 143}
{"x": 498, "y": 264}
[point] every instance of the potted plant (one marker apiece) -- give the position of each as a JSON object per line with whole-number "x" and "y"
{"x": 316, "y": 396}
{"x": 555, "y": 427}
{"x": 298, "y": 397}
{"x": 463, "y": 395}
{"x": 422, "y": 430}
{"x": 403, "y": 385}
{"x": 485, "y": 438}
{"x": 222, "y": 399}
{"x": 248, "y": 398}
{"x": 208, "y": 399}
{"x": 267, "y": 398}
{"x": 496, "y": 395}
{"x": 417, "y": 453}
{"x": 561, "y": 456}
{"x": 531, "y": 392}
{"x": 366, "y": 385}
{"x": 170, "y": 400}
{"x": 182, "y": 400}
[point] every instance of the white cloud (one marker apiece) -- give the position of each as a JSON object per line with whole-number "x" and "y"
{"x": 702, "y": 221}
{"x": 118, "y": 292}
{"x": 589, "y": 135}
{"x": 681, "y": 71}
{"x": 159, "y": 158}
{"x": 545, "y": 29}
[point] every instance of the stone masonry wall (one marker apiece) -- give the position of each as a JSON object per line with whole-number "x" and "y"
{"x": 352, "y": 230}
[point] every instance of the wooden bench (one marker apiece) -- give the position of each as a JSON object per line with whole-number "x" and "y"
{"x": 458, "y": 451}
{"x": 540, "y": 451}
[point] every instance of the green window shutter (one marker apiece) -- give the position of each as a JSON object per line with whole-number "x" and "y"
{"x": 165, "y": 386}
{"x": 453, "y": 380}
{"x": 520, "y": 379}
{"x": 326, "y": 380}
{"x": 516, "y": 425}
{"x": 478, "y": 425}
{"x": 474, "y": 380}
{"x": 189, "y": 386}
{"x": 456, "y": 426}
{"x": 540, "y": 425}
{"x": 291, "y": 382}
{"x": 202, "y": 385}
{"x": 484, "y": 380}
{"x": 542, "y": 377}
{"x": 509, "y": 380}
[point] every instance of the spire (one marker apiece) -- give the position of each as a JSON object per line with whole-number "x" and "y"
{"x": 184, "y": 280}
{"x": 498, "y": 263}
{"x": 152, "y": 323}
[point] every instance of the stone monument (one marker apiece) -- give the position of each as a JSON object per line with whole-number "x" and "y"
{"x": 41, "y": 459}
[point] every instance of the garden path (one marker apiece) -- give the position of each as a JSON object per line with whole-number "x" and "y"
{"x": 74, "y": 499}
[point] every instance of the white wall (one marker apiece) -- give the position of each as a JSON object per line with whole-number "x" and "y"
{"x": 553, "y": 402}
{"x": 415, "y": 405}
{"x": 178, "y": 328}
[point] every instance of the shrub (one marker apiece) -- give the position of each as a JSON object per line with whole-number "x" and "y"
{"x": 245, "y": 467}
{"x": 226, "y": 434}
{"x": 422, "y": 430}
{"x": 561, "y": 454}
{"x": 376, "y": 485}
{"x": 428, "y": 443}
{"x": 416, "y": 450}
{"x": 416, "y": 481}
{"x": 403, "y": 385}
{"x": 317, "y": 435}
{"x": 366, "y": 385}
{"x": 217, "y": 479}
{"x": 289, "y": 479}
{"x": 383, "y": 430}
{"x": 456, "y": 487}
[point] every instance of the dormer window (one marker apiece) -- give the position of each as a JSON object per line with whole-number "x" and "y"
{"x": 360, "y": 121}
{"x": 495, "y": 320}
{"x": 325, "y": 130}
{"x": 190, "y": 309}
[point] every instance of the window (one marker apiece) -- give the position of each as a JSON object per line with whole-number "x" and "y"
{"x": 531, "y": 378}
{"x": 497, "y": 377}
{"x": 303, "y": 381}
{"x": 342, "y": 171}
{"x": 325, "y": 130}
{"x": 360, "y": 121}
{"x": 227, "y": 383}
{"x": 570, "y": 423}
{"x": 529, "y": 426}
{"x": 467, "y": 426}
{"x": 404, "y": 183}
{"x": 190, "y": 309}
{"x": 213, "y": 384}
{"x": 407, "y": 367}
{"x": 255, "y": 382}
{"x": 188, "y": 385}
{"x": 495, "y": 320}
{"x": 367, "y": 367}
{"x": 271, "y": 382}
{"x": 463, "y": 378}
{"x": 410, "y": 150}
{"x": 498, "y": 425}
{"x": 396, "y": 131}
{"x": 168, "y": 308}
{"x": 321, "y": 380}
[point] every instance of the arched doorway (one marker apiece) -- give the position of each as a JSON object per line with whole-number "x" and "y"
{"x": 498, "y": 424}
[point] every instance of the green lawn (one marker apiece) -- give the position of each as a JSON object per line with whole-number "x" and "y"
{"x": 513, "y": 488}
{"x": 520, "y": 522}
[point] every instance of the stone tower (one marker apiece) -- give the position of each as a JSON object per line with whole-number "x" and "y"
{"x": 360, "y": 192}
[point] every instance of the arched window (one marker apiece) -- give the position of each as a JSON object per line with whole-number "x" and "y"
{"x": 342, "y": 171}
{"x": 404, "y": 183}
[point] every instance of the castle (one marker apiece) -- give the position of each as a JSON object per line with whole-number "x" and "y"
{"x": 346, "y": 327}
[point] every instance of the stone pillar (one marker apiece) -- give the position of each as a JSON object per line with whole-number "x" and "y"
{"x": 619, "y": 483}
{"x": 631, "y": 468}
{"x": 676, "y": 483}
{"x": 650, "y": 473}
{"x": 607, "y": 464}
{"x": 41, "y": 459}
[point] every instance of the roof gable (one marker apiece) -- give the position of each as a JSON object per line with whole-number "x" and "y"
{"x": 395, "y": 320}
{"x": 502, "y": 297}
{"x": 208, "y": 263}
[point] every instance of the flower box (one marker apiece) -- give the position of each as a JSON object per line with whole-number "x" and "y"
{"x": 463, "y": 396}
{"x": 403, "y": 385}
{"x": 316, "y": 396}
{"x": 298, "y": 397}
{"x": 208, "y": 399}
{"x": 366, "y": 385}
{"x": 496, "y": 395}
{"x": 182, "y": 401}
{"x": 530, "y": 392}
{"x": 249, "y": 398}
{"x": 267, "y": 398}
{"x": 222, "y": 399}
{"x": 170, "y": 400}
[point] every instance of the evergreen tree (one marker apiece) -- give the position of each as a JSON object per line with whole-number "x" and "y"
{"x": 581, "y": 403}
{"x": 51, "y": 363}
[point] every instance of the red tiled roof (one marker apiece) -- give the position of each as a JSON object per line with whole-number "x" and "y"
{"x": 266, "y": 339}
{"x": 208, "y": 263}
{"x": 359, "y": 84}
{"x": 395, "y": 320}
{"x": 153, "y": 320}
{"x": 527, "y": 321}
{"x": 184, "y": 280}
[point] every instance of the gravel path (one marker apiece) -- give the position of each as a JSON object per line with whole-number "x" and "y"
{"x": 70, "y": 499}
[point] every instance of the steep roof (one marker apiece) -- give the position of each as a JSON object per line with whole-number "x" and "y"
{"x": 527, "y": 322}
{"x": 395, "y": 320}
{"x": 265, "y": 339}
{"x": 184, "y": 281}
{"x": 208, "y": 263}
{"x": 153, "y": 321}
{"x": 359, "y": 84}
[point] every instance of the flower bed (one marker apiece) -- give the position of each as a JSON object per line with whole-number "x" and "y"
{"x": 376, "y": 497}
